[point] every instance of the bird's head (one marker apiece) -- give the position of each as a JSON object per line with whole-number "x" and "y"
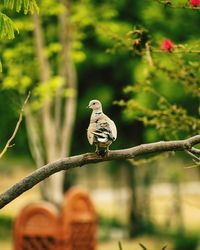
{"x": 95, "y": 105}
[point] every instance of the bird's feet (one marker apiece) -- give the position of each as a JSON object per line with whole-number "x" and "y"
{"x": 101, "y": 152}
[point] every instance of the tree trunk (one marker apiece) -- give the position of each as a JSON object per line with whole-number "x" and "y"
{"x": 56, "y": 119}
{"x": 135, "y": 216}
{"x": 68, "y": 75}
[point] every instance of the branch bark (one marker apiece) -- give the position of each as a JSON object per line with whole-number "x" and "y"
{"x": 88, "y": 158}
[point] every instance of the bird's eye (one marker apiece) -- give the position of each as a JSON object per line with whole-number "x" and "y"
{"x": 93, "y": 103}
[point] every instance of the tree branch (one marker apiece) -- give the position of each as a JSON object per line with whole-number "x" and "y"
{"x": 195, "y": 151}
{"x": 88, "y": 158}
{"x": 178, "y": 50}
{"x": 196, "y": 158}
{"x": 8, "y": 144}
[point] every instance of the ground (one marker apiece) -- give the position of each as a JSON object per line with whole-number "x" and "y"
{"x": 150, "y": 243}
{"x": 114, "y": 202}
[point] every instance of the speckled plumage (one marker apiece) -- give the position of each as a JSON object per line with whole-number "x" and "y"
{"x": 102, "y": 130}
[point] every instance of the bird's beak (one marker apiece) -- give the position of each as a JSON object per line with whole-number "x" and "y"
{"x": 88, "y": 106}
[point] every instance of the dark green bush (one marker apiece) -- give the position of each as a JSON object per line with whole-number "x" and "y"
{"x": 186, "y": 242}
{"x": 5, "y": 227}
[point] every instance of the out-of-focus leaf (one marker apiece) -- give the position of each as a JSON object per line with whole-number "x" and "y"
{"x": 22, "y": 5}
{"x": 7, "y": 27}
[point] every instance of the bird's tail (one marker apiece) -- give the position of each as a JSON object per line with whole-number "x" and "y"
{"x": 103, "y": 136}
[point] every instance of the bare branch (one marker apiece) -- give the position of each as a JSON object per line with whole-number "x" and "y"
{"x": 88, "y": 158}
{"x": 8, "y": 144}
{"x": 178, "y": 50}
{"x": 193, "y": 155}
{"x": 195, "y": 151}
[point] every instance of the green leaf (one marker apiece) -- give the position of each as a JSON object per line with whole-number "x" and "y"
{"x": 7, "y": 27}
{"x": 142, "y": 246}
{"x": 22, "y": 5}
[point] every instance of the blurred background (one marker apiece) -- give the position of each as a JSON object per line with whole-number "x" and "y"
{"x": 71, "y": 52}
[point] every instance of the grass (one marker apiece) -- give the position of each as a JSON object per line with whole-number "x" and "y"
{"x": 151, "y": 243}
{"x": 148, "y": 242}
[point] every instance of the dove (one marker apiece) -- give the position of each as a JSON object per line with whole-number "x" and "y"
{"x": 102, "y": 130}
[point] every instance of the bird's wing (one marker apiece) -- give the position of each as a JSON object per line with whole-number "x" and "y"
{"x": 111, "y": 125}
{"x": 113, "y": 129}
{"x": 90, "y": 131}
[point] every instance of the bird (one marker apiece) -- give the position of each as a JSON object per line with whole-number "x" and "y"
{"x": 102, "y": 130}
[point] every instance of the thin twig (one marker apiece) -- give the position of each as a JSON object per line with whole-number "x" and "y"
{"x": 195, "y": 150}
{"x": 196, "y": 158}
{"x": 140, "y": 162}
{"x": 177, "y": 51}
{"x": 8, "y": 143}
{"x": 193, "y": 166}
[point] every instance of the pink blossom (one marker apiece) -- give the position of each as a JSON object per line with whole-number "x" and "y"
{"x": 167, "y": 45}
{"x": 195, "y": 3}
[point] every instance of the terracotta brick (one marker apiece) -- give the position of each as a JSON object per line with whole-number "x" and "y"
{"x": 79, "y": 220}
{"x": 37, "y": 228}
{"x": 40, "y": 226}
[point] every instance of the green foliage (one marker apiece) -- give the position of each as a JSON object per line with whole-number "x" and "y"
{"x": 7, "y": 27}
{"x": 160, "y": 96}
{"x": 110, "y": 54}
{"x": 21, "y": 5}
{"x": 18, "y": 77}
{"x": 5, "y": 227}
{"x": 47, "y": 90}
{"x": 164, "y": 93}
{"x": 153, "y": 109}
{"x": 88, "y": 50}
{"x": 106, "y": 225}
{"x": 185, "y": 242}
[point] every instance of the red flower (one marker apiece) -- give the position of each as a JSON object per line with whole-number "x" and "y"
{"x": 195, "y": 3}
{"x": 167, "y": 45}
